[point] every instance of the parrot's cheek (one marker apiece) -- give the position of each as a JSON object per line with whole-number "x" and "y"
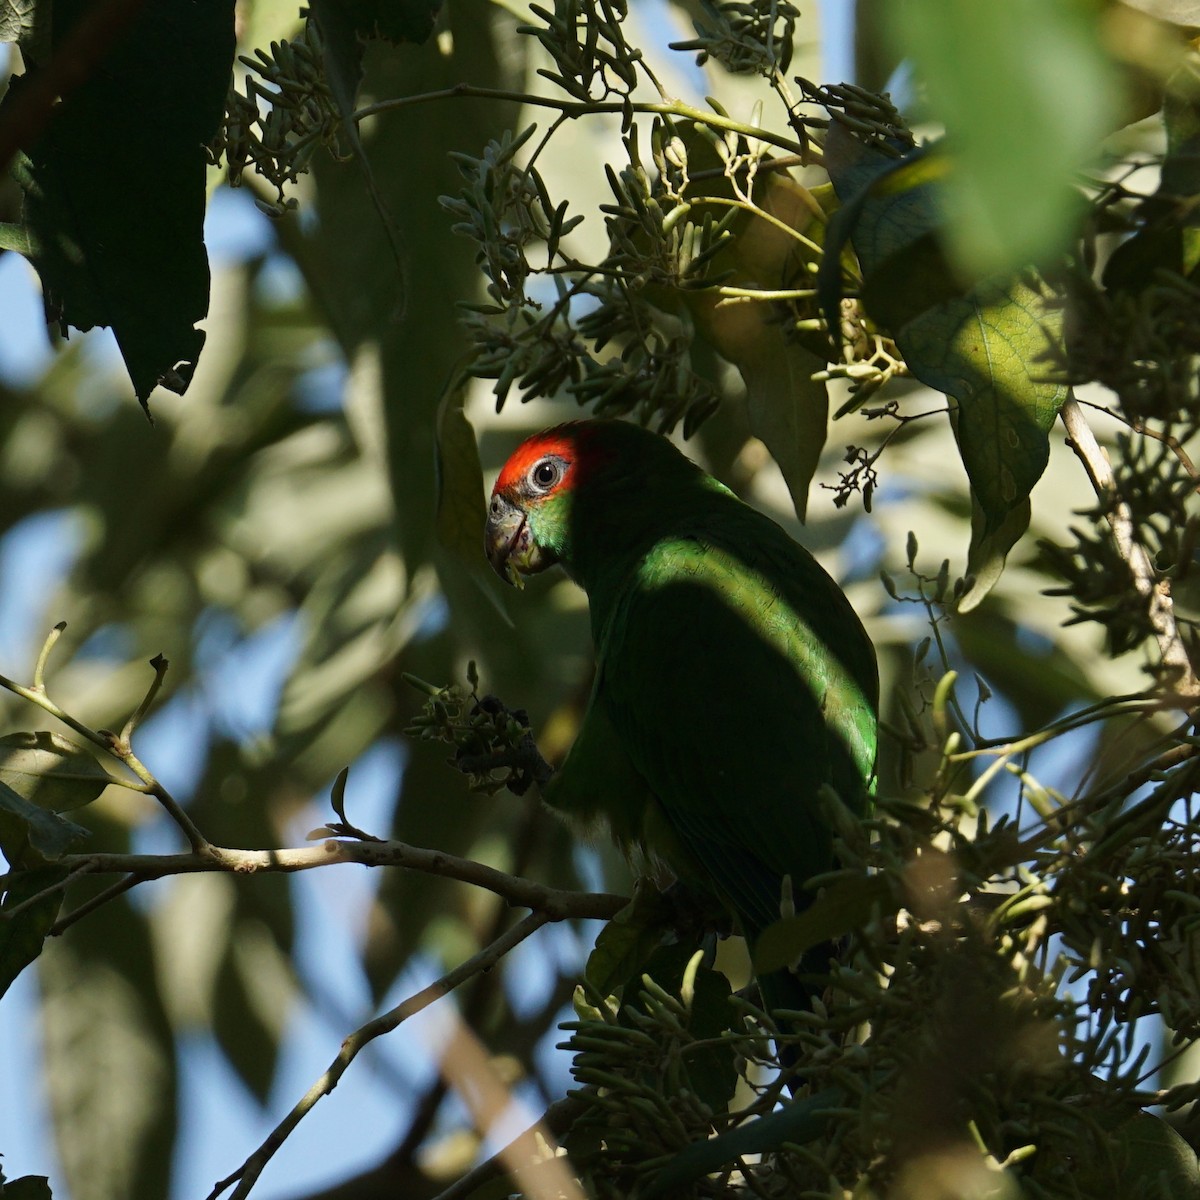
{"x": 511, "y": 548}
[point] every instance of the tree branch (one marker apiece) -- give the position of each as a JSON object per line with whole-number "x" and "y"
{"x": 583, "y": 108}
{"x": 1155, "y": 592}
{"x": 247, "y": 1174}
{"x": 117, "y": 745}
{"x": 555, "y": 904}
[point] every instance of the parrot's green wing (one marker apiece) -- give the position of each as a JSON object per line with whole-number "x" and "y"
{"x": 742, "y": 643}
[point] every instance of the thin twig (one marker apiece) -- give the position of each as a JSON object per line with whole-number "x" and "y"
{"x": 100, "y": 898}
{"x": 1155, "y": 592}
{"x": 60, "y": 886}
{"x": 247, "y": 1174}
{"x": 581, "y": 108}
{"x": 116, "y": 745}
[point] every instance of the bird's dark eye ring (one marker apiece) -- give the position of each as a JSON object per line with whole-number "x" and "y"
{"x": 545, "y": 474}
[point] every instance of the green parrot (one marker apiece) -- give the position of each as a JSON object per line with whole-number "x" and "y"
{"x": 733, "y": 679}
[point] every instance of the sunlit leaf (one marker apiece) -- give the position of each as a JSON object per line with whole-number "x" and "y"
{"x": 986, "y": 346}
{"x": 50, "y": 770}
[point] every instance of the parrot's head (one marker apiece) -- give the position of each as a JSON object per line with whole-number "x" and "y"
{"x": 585, "y": 494}
{"x": 529, "y": 517}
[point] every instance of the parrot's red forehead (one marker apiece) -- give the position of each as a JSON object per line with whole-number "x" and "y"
{"x": 570, "y": 442}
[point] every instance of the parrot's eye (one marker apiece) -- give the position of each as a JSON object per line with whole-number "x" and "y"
{"x": 545, "y": 474}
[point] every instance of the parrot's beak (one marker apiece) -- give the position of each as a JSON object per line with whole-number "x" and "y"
{"x": 509, "y": 542}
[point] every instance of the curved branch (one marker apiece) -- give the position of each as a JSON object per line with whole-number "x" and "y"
{"x": 247, "y": 1174}
{"x": 555, "y": 904}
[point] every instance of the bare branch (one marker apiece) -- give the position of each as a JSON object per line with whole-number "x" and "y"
{"x": 247, "y": 1174}
{"x": 554, "y": 903}
{"x": 1156, "y": 592}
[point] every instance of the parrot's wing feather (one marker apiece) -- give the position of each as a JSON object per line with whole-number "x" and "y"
{"x": 736, "y": 709}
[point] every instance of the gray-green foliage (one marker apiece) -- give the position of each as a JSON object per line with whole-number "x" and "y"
{"x": 1024, "y": 895}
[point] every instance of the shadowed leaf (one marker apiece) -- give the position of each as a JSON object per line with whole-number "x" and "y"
{"x": 30, "y": 834}
{"x": 22, "y": 936}
{"x": 109, "y": 250}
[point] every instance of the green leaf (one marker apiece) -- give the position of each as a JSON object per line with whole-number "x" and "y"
{"x": 1155, "y": 1152}
{"x": 23, "y": 935}
{"x": 28, "y": 23}
{"x": 1007, "y": 80}
{"x": 436, "y": 809}
{"x": 252, "y": 999}
{"x": 344, "y": 26}
{"x": 467, "y": 581}
{"x": 985, "y": 346}
{"x": 109, "y": 249}
{"x": 31, "y": 835}
{"x": 988, "y": 350}
{"x": 462, "y": 507}
{"x": 1168, "y": 237}
{"x": 848, "y": 905}
{"x": 626, "y": 945}
{"x": 799, "y": 1122}
{"x": 50, "y": 770}
{"x": 1144, "y": 1156}
{"x": 396, "y": 21}
{"x": 787, "y": 409}
{"x": 711, "y": 1070}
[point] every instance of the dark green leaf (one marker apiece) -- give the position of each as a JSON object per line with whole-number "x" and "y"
{"x": 626, "y": 945}
{"x": 22, "y": 936}
{"x": 251, "y": 998}
{"x": 989, "y": 351}
{"x": 30, "y": 835}
{"x": 787, "y": 409}
{"x": 1145, "y": 1157}
{"x": 435, "y": 810}
{"x": 462, "y": 507}
{"x": 848, "y": 905}
{"x": 395, "y": 21}
{"x": 800, "y": 1122}
{"x": 712, "y": 1073}
{"x": 344, "y": 24}
{"x": 110, "y": 249}
{"x": 28, "y": 1187}
{"x": 1169, "y": 233}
